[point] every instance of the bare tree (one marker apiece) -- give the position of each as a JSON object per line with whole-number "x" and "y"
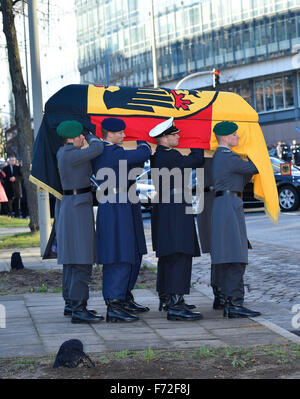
{"x": 22, "y": 119}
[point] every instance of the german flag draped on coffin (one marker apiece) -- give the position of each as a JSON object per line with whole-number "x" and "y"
{"x": 195, "y": 114}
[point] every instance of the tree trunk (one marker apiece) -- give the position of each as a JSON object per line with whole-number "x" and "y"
{"x": 25, "y": 139}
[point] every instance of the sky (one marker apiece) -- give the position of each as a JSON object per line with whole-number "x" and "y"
{"x": 58, "y": 50}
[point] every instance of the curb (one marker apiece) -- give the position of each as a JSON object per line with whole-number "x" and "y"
{"x": 261, "y": 320}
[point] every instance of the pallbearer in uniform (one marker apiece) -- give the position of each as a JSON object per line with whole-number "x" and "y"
{"x": 229, "y": 244}
{"x": 119, "y": 228}
{"x": 75, "y": 228}
{"x": 174, "y": 234}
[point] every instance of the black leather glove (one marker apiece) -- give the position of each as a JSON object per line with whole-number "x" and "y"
{"x": 85, "y": 132}
{"x": 139, "y": 142}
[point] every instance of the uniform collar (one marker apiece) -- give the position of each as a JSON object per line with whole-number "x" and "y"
{"x": 108, "y": 143}
{"x": 163, "y": 148}
{"x": 224, "y": 147}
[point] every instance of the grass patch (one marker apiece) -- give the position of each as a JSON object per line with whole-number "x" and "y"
{"x": 122, "y": 354}
{"x": 22, "y": 240}
{"x": 6, "y": 221}
{"x": 258, "y": 361}
{"x": 148, "y": 355}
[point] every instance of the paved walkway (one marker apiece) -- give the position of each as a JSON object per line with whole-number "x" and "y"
{"x": 35, "y": 324}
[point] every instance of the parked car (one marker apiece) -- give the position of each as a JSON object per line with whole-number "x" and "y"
{"x": 288, "y": 186}
{"x": 288, "y": 189}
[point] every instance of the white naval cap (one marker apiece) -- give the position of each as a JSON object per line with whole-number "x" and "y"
{"x": 164, "y": 128}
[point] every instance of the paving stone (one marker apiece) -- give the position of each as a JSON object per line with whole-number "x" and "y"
{"x": 61, "y": 328}
{"x": 54, "y": 339}
{"x": 22, "y": 350}
{"x": 11, "y": 339}
{"x": 185, "y": 334}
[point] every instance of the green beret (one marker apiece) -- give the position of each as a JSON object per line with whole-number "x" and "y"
{"x": 69, "y": 129}
{"x": 225, "y": 128}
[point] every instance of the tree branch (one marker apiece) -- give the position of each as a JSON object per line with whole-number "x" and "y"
{"x": 13, "y": 4}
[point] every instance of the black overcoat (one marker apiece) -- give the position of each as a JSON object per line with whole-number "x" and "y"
{"x": 13, "y": 189}
{"x": 173, "y": 229}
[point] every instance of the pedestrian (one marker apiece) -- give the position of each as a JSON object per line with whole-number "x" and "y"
{"x": 285, "y": 152}
{"x": 229, "y": 243}
{"x": 12, "y": 186}
{"x": 75, "y": 221}
{"x": 120, "y": 238}
{"x": 3, "y": 197}
{"x": 279, "y": 149}
{"x": 295, "y": 148}
{"x": 174, "y": 236}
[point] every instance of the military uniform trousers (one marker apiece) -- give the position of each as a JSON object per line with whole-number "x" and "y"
{"x": 119, "y": 278}
{"x": 75, "y": 282}
{"x": 174, "y": 274}
{"x": 229, "y": 277}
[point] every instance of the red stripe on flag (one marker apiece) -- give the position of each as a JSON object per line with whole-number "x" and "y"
{"x": 195, "y": 131}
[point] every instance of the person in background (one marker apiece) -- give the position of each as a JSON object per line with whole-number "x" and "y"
{"x": 12, "y": 185}
{"x": 3, "y": 197}
{"x": 295, "y": 148}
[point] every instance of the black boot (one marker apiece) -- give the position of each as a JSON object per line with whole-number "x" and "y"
{"x": 90, "y": 310}
{"x": 69, "y": 307}
{"x": 219, "y": 299}
{"x": 177, "y": 309}
{"x": 233, "y": 308}
{"x": 117, "y": 313}
{"x": 131, "y": 306}
{"x": 163, "y": 301}
{"x": 81, "y": 315}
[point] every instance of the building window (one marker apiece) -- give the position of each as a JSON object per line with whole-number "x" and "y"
{"x": 289, "y": 91}
{"x": 259, "y": 96}
{"x": 278, "y": 89}
{"x": 276, "y": 93}
{"x": 269, "y": 95}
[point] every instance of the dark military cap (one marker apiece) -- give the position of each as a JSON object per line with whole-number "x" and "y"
{"x": 69, "y": 129}
{"x": 225, "y": 128}
{"x": 113, "y": 124}
{"x": 70, "y": 354}
{"x": 16, "y": 261}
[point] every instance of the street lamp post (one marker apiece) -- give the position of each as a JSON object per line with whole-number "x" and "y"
{"x": 43, "y": 196}
{"x": 193, "y": 75}
{"x": 153, "y": 44}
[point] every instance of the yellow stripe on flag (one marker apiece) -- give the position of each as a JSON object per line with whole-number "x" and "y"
{"x": 232, "y": 107}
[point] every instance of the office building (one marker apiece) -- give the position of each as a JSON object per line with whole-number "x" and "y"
{"x": 255, "y": 44}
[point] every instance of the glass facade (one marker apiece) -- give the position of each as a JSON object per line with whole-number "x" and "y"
{"x": 114, "y": 41}
{"x": 266, "y": 95}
